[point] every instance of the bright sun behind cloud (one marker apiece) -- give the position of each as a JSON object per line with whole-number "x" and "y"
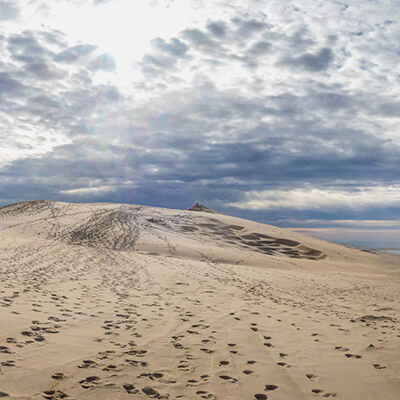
{"x": 122, "y": 28}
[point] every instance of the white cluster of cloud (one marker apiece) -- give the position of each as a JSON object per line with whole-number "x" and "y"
{"x": 88, "y": 191}
{"x": 314, "y": 198}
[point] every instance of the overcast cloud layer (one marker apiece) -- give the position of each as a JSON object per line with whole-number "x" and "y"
{"x": 271, "y": 110}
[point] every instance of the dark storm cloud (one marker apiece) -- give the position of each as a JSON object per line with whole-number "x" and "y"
{"x": 181, "y": 149}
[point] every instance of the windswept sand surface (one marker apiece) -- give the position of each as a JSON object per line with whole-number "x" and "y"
{"x": 107, "y": 301}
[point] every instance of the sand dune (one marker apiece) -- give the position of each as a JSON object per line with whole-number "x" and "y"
{"x": 110, "y": 301}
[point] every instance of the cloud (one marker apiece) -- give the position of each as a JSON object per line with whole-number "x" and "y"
{"x": 248, "y": 27}
{"x": 26, "y": 43}
{"x": 259, "y": 48}
{"x": 217, "y": 28}
{"x": 9, "y": 10}
{"x": 45, "y": 102}
{"x": 200, "y": 40}
{"x": 42, "y": 70}
{"x": 314, "y": 198}
{"x": 164, "y": 57}
{"x": 10, "y": 87}
{"x": 174, "y": 48}
{"x": 104, "y": 62}
{"x": 88, "y": 191}
{"x": 28, "y": 50}
{"x": 75, "y": 53}
{"x": 319, "y": 61}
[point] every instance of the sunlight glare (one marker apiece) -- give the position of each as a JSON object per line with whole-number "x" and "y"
{"x": 122, "y": 28}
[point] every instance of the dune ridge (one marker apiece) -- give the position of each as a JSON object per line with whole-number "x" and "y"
{"x": 117, "y": 301}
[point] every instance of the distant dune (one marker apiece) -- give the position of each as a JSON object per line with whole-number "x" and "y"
{"x": 116, "y": 301}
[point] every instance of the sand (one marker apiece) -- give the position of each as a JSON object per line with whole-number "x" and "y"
{"x": 109, "y": 301}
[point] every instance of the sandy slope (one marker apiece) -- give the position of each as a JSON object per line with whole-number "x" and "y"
{"x": 108, "y": 301}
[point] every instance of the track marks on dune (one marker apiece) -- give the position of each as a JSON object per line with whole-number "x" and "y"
{"x": 170, "y": 328}
{"x": 120, "y": 227}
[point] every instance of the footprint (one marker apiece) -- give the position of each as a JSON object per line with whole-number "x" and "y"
{"x": 205, "y": 395}
{"x": 149, "y": 391}
{"x": 311, "y": 377}
{"x": 9, "y": 363}
{"x": 228, "y": 378}
{"x": 317, "y": 391}
{"x": 248, "y": 372}
{"x": 90, "y": 379}
{"x": 348, "y": 355}
{"x": 87, "y": 364}
{"x": 208, "y": 351}
{"x": 54, "y": 394}
{"x": 58, "y": 375}
{"x": 130, "y": 388}
{"x": 5, "y": 350}
{"x": 281, "y": 364}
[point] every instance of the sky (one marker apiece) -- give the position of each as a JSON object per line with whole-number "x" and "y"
{"x": 284, "y": 112}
